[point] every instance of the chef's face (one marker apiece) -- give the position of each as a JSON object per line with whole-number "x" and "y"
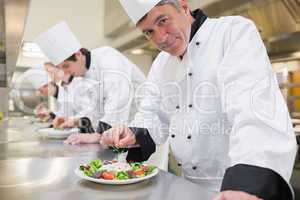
{"x": 55, "y": 73}
{"x": 74, "y": 67}
{"x": 168, "y": 27}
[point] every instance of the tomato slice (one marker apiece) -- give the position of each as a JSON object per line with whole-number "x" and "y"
{"x": 145, "y": 168}
{"x": 108, "y": 175}
{"x": 139, "y": 172}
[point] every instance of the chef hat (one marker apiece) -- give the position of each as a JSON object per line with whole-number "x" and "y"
{"x": 58, "y": 43}
{"x": 37, "y": 76}
{"x": 136, "y": 9}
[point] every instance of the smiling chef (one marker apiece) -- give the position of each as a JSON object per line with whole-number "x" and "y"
{"x": 212, "y": 92}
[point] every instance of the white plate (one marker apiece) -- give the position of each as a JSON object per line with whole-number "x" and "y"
{"x": 42, "y": 125}
{"x": 57, "y": 134}
{"x": 116, "y": 182}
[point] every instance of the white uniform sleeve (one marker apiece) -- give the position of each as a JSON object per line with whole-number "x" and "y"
{"x": 60, "y": 111}
{"x": 117, "y": 100}
{"x": 262, "y": 133}
{"x": 118, "y": 91}
{"x": 88, "y": 102}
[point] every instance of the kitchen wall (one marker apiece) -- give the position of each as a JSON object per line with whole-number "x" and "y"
{"x": 84, "y": 17}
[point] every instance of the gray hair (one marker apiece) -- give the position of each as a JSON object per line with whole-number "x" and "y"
{"x": 174, "y": 3}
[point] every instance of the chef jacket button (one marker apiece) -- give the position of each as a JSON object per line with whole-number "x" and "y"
{"x": 189, "y": 137}
{"x": 173, "y": 136}
{"x": 177, "y": 107}
{"x": 190, "y": 74}
{"x": 191, "y": 105}
{"x": 179, "y": 164}
{"x": 197, "y": 43}
{"x": 194, "y": 168}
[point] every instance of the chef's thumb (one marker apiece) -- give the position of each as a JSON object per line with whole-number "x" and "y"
{"x": 125, "y": 142}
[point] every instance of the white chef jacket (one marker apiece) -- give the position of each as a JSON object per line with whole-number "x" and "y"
{"x": 220, "y": 105}
{"x": 80, "y": 98}
{"x": 118, "y": 79}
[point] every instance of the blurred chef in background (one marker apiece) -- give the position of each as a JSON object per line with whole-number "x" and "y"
{"x": 78, "y": 99}
{"x": 117, "y": 77}
{"x": 42, "y": 83}
{"x": 75, "y": 97}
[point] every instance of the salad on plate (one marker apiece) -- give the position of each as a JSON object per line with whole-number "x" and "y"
{"x": 116, "y": 171}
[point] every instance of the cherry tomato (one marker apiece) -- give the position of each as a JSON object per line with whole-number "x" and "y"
{"x": 108, "y": 175}
{"x": 139, "y": 172}
{"x": 145, "y": 168}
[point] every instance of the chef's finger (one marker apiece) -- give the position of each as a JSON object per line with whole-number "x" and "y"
{"x": 54, "y": 123}
{"x": 62, "y": 126}
{"x": 58, "y": 121}
{"x": 102, "y": 143}
{"x": 126, "y": 141}
{"x": 106, "y": 138}
{"x": 120, "y": 134}
{"x": 69, "y": 139}
{"x": 76, "y": 141}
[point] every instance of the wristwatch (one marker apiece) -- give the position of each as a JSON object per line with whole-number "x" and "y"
{"x": 84, "y": 122}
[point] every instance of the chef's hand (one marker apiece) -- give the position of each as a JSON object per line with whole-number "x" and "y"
{"x": 42, "y": 112}
{"x": 118, "y": 136}
{"x": 58, "y": 121}
{"x": 83, "y": 139}
{"x": 70, "y": 123}
{"x": 235, "y": 195}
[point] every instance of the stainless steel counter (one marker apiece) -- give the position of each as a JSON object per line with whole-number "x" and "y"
{"x": 37, "y": 168}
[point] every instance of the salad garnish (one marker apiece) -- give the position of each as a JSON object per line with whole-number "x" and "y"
{"x": 114, "y": 170}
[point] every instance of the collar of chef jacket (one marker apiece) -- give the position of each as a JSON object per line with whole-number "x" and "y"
{"x": 88, "y": 60}
{"x": 200, "y": 18}
{"x": 91, "y": 65}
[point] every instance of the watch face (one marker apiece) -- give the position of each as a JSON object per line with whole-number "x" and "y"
{"x": 84, "y": 122}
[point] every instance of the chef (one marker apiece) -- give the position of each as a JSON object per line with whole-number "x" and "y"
{"x": 76, "y": 98}
{"x": 212, "y": 92}
{"x": 117, "y": 77}
{"x": 41, "y": 82}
